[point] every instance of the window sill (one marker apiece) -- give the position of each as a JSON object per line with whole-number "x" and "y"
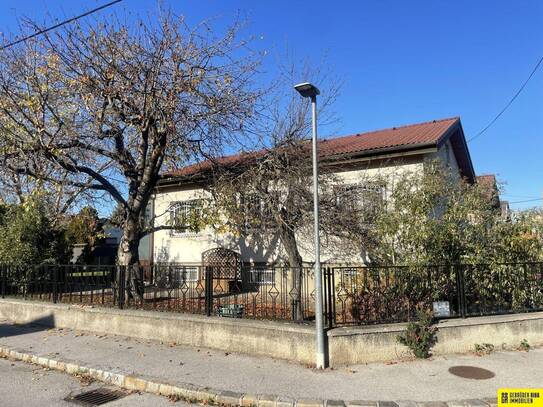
{"x": 186, "y": 234}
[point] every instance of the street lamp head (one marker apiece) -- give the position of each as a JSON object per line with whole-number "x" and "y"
{"x": 307, "y": 90}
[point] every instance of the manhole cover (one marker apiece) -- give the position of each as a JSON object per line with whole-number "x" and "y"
{"x": 471, "y": 372}
{"x": 97, "y": 397}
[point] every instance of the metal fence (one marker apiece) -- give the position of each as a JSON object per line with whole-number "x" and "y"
{"x": 352, "y": 295}
{"x": 87, "y": 284}
{"x": 370, "y": 295}
{"x": 258, "y": 292}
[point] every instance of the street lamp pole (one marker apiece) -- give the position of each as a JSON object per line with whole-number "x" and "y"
{"x": 308, "y": 90}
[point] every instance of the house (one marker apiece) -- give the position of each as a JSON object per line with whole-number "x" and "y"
{"x": 384, "y": 152}
{"x": 105, "y": 248}
{"x": 489, "y": 182}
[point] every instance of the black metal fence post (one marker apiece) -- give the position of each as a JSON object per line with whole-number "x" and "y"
{"x": 333, "y": 283}
{"x": 461, "y": 291}
{"x": 114, "y": 286}
{"x": 55, "y": 284}
{"x": 121, "y": 284}
{"x": 3, "y": 271}
{"x": 329, "y": 297}
{"x": 26, "y": 278}
{"x": 139, "y": 285}
{"x": 209, "y": 290}
{"x": 326, "y": 296}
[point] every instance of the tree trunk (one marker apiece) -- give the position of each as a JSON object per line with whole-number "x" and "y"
{"x": 288, "y": 239}
{"x": 128, "y": 260}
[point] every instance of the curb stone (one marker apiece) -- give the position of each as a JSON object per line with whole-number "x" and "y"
{"x": 335, "y": 403}
{"x": 309, "y": 403}
{"x": 191, "y": 393}
{"x": 249, "y": 400}
{"x": 284, "y": 401}
{"x": 491, "y": 401}
{"x": 229, "y": 398}
{"x": 406, "y": 403}
{"x": 464, "y": 403}
{"x": 267, "y": 400}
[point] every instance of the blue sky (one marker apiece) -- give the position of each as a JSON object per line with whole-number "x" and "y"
{"x": 402, "y": 62}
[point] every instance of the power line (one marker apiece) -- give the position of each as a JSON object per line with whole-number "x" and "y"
{"x": 520, "y": 196}
{"x": 527, "y": 200}
{"x": 510, "y": 102}
{"x": 59, "y": 24}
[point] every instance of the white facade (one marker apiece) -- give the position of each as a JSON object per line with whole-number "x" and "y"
{"x": 187, "y": 248}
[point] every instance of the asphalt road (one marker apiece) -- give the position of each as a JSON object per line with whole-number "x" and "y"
{"x": 27, "y": 385}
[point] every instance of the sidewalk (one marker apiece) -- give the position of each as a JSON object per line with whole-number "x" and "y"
{"x": 427, "y": 380}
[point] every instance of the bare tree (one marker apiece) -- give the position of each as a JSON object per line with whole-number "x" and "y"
{"x": 58, "y": 193}
{"x": 110, "y": 105}
{"x": 269, "y": 192}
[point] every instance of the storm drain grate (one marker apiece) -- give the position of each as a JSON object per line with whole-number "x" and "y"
{"x": 471, "y": 372}
{"x": 97, "y": 397}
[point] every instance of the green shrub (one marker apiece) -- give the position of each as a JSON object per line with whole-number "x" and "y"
{"x": 483, "y": 348}
{"x": 420, "y": 336}
{"x": 524, "y": 345}
{"x": 27, "y": 236}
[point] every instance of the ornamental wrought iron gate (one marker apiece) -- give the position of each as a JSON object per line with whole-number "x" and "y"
{"x": 226, "y": 263}
{"x": 220, "y": 264}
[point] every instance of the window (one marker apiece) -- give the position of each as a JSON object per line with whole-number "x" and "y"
{"x": 171, "y": 276}
{"x": 262, "y": 276}
{"x": 351, "y": 277}
{"x": 252, "y": 205}
{"x": 184, "y": 216}
{"x": 148, "y": 215}
{"x": 364, "y": 198}
{"x": 186, "y": 273}
{"x": 349, "y": 272}
{"x": 256, "y": 210}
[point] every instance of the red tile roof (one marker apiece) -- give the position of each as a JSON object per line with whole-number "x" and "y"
{"x": 394, "y": 139}
{"x": 487, "y": 180}
{"x": 414, "y": 134}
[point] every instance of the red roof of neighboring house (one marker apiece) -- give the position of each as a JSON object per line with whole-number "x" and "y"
{"x": 394, "y": 139}
{"x": 487, "y": 180}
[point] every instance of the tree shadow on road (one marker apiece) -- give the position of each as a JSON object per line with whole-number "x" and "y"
{"x": 36, "y": 325}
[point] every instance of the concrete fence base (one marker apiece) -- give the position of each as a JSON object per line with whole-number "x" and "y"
{"x": 289, "y": 341}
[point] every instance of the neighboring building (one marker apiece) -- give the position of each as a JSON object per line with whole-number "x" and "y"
{"x": 112, "y": 234}
{"x": 489, "y": 182}
{"x": 105, "y": 250}
{"x": 505, "y": 210}
{"x": 384, "y": 152}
